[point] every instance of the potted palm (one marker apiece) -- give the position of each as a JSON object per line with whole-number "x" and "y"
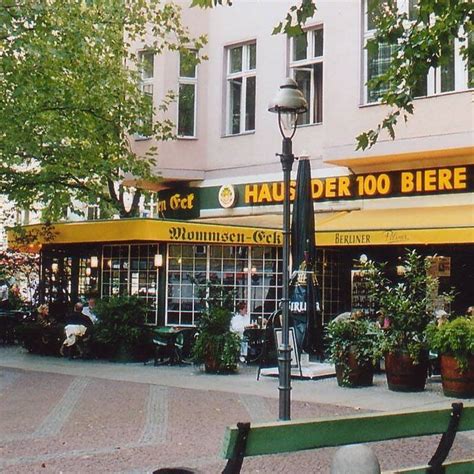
{"x": 216, "y": 346}
{"x": 454, "y": 342}
{"x": 406, "y": 304}
{"x": 354, "y": 348}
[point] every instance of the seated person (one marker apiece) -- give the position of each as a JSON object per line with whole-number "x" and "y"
{"x": 42, "y": 317}
{"x": 89, "y": 310}
{"x": 77, "y": 325}
{"x": 238, "y": 324}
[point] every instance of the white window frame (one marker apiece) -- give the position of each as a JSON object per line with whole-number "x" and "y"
{"x": 310, "y": 60}
{"x": 146, "y": 85}
{"x": 185, "y": 80}
{"x": 433, "y": 85}
{"x": 244, "y": 74}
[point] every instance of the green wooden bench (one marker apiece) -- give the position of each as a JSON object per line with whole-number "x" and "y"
{"x": 289, "y": 436}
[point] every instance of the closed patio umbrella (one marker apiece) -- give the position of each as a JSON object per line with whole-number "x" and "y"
{"x": 304, "y": 293}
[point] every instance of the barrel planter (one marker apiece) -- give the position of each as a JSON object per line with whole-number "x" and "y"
{"x": 457, "y": 383}
{"x": 403, "y": 375}
{"x": 353, "y": 374}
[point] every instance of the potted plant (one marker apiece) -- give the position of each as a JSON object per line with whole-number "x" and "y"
{"x": 216, "y": 346}
{"x": 454, "y": 342}
{"x": 406, "y": 306}
{"x": 354, "y": 348}
{"x": 120, "y": 333}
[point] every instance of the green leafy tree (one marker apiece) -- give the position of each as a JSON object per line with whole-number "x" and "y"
{"x": 70, "y": 98}
{"x": 418, "y": 43}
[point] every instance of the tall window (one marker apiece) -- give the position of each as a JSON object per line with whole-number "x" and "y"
{"x": 253, "y": 274}
{"x": 451, "y": 75}
{"x": 146, "y": 64}
{"x": 241, "y": 87}
{"x": 187, "y": 97}
{"x": 131, "y": 270}
{"x": 307, "y": 70}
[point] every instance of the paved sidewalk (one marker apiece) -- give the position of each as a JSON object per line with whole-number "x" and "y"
{"x": 66, "y": 416}
{"x": 377, "y": 397}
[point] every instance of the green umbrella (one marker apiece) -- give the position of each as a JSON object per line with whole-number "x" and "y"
{"x": 304, "y": 292}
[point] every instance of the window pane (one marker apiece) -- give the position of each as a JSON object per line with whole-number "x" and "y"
{"x": 377, "y": 64}
{"x": 186, "y": 110}
{"x": 147, "y": 123}
{"x": 299, "y": 47}
{"x": 252, "y": 48}
{"x": 146, "y": 63}
{"x": 421, "y": 88}
{"x": 447, "y": 71}
{"x": 303, "y": 79}
{"x": 373, "y": 7}
{"x": 250, "y": 104}
{"x": 235, "y": 59}
{"x": 187, "y": 67}
{"x": 318, "y": 42}
{"x": 318, "y": 93}
{"x": 413, "y": 9}
{"x": 235, "y": 99}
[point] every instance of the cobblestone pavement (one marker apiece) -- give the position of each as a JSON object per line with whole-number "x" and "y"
{"x": 52, "y": 422}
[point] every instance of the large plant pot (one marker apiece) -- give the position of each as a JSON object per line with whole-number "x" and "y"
{"x": 354, "y": 374}
{"x": 403, "y": 375}
{"x": 457, "y": 384}
{"x": 211, "y": 365}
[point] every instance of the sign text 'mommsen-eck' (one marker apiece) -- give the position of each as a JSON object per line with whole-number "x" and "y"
{"x": 398, "y": 183}
{"x": 262, "y": 237}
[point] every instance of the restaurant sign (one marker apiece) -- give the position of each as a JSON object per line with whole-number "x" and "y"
{"x": 188, "y": 202}
{"x": 373, "y": 185}
{"x": 178, "y": 204}
{"x": 235, "y": 236}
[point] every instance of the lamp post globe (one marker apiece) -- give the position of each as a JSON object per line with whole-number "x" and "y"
{"x": 288, "y": 103}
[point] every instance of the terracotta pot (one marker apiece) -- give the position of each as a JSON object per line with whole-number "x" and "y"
{"x": 357, "y": 375}
{"x": 457, "y": 384}
{"x": 403, "y": 375}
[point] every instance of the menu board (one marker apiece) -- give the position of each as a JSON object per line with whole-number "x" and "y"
{"x": 360, "y": 300}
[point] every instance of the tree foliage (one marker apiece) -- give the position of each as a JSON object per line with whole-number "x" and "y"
{"x": 70, "y": 97}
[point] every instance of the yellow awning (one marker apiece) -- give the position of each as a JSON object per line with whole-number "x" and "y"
{"x": 156, "y": 230}
{"x": 407, "y": 226}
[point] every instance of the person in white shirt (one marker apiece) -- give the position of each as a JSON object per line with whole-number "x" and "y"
{"x": 89, "y": 310}
{"x": 238, "y": 324}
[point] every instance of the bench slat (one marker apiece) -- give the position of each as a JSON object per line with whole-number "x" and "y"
{"x": 289, "y": 436}
{"x": 453, "y": 467}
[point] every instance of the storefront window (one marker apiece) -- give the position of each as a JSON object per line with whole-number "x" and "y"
{"x": 57, "y": 270}
{"x": 252, "y": 273}
{"x": 88, "y": 278}
{"x": 130, "y": 270}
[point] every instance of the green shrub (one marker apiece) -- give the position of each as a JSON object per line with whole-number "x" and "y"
{"x": 406, "y": 302}
{"x": 357, "y": 336}
{"x": 120, "y": 329}
{"x": 455, "y": 338}
{"x": 215, "y": 343}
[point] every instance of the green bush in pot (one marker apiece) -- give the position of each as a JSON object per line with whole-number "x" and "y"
{"x": 454, "y": 342}
{"x": 216, "y": 345}
{"x": 354, "y": 346}
{"x": 406, "y": 303}
{"x": 120, "y": 332}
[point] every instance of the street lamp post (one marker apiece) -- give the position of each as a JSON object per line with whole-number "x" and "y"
{"x": 288, "y": 103}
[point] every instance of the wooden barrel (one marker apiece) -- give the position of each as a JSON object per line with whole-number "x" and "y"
{"x": 457, "y": 384}
{"x": 354, "y": 375}
{"x": 403, "y": 375}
